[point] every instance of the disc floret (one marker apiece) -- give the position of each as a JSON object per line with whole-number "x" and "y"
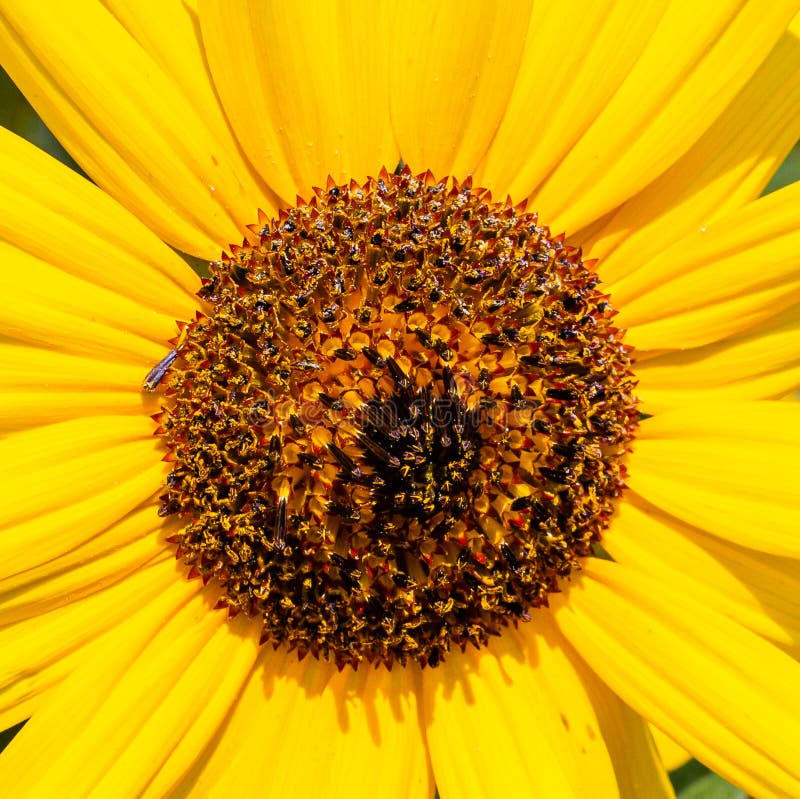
{"x": 400, "y": 422}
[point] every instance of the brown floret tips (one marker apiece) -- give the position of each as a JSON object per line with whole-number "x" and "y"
{"x": 400, "y": 422}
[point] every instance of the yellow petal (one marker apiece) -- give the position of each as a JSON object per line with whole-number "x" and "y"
{"x": 626, "y": 734}
{"x": 451, "y": 74}
{"x": 42, "y": 325}
{"x": 73, "y": 584}
{"x": 51, "y": 446}
{"x": 84, "y": 320}
{"x": 561, "y": 88}
{"x": 128, "y": 124}
{"x": 52, "y": 534}
{"x": 730, "y": 470}
{"x": 692, "y": 67}
{"x": 19, "y": 712}
{"x": 728, "y": 696}
{"x": 60, "y": 217}
{"x": 586, "y": 705}
{"x": 718, "y": 282}
{"x": 139, "y": 525}
{"x": 70, "y": 481}
{"x": 672, "y": 755}
{"x": 367, "y": 721}
{"x": 305, "y": 87}
{"x": 28, "y": 279}
{"x": 182, "y": 757}
{"x": 23, "y": 409}
{"x": 170, "y": 34}
{"x": 508, "y": 721}
{"x": 370, "y": 722}
{"x": 187, "y": 719}
{"x": 728, "y": 167}
{"x": 38, "y": 653}
{"x": 73, "y": 460}
{"x": 155, "y": 731}
{"x": 760, "y": 364}
{"x": 775, "y": 386}
{"x": 29, "y": 368}
{"x": 91, "y": 717}
{"x": 761, "y": 592}
{"x": 278, "y": 688}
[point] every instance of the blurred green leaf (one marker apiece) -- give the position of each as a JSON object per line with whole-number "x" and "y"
{"x": 711, "y": 787}
{"x": 17, "y": 115}
{"x": 788, "y": 173}
{"x": 8, "y": 735}
{"x": 694, "y": 781}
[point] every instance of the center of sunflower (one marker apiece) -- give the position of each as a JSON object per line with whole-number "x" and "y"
{"x": 400, "y": 422}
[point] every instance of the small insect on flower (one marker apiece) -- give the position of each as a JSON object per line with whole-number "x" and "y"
{"x": 157, "y": 373}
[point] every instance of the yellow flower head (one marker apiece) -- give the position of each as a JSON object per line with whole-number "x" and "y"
{"x": 469, "y": 456}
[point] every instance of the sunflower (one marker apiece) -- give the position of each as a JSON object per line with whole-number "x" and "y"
{"x": 420, "y": 492}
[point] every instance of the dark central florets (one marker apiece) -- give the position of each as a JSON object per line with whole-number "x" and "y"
{"x": 399, "y": 423}
{"x": 421, "y": 449}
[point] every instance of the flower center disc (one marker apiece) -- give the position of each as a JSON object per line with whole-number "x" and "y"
{"x": 400, "y": 422}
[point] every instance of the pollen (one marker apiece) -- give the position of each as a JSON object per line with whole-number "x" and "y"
{"x": 399, "y": 424}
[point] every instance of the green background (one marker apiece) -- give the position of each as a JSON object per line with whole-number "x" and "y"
{"x": 691, "y": 781}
